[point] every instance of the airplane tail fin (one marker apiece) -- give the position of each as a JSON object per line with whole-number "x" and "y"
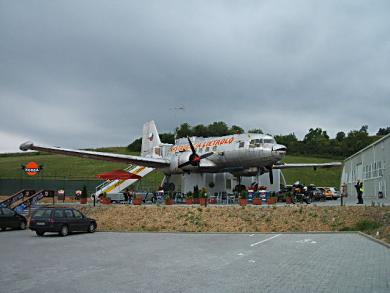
{"x": 150, "y": 139}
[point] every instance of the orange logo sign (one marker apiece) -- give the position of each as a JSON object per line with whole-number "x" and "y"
{"x": 32, "y": 169}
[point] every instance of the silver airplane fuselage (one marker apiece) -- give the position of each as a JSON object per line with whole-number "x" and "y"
{"x": 241, "y": 154}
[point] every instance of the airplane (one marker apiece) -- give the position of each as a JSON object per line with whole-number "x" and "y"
{"x": 248, "y": 154}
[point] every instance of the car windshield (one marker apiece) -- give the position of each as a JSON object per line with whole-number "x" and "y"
{"x": 45, "y": 213}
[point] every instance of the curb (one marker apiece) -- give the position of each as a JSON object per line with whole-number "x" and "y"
{"x": 374, "y": 239}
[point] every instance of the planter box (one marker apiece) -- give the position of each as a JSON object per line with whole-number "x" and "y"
{"x": 202, "y": 201}
{"x": 83, "y": 200}
{"x": 104, "y": 200}
{"x": 196, "y": 200}
{"x": 257, "y": 201}
{"x": 272, "y": 200}
{"x": 169, "y": 201}
{"x": 212, "y": 200}
{"x": 137, "y": 201}
{"x": 189, "y": 201}
{"x": 288, "y": 200}
{"x": 243, "y": 202}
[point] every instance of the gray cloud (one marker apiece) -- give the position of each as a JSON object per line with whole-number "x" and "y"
{"x": 90, "y": 73}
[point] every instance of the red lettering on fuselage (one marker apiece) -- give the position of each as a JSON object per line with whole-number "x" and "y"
{"x": 210, "y": 143}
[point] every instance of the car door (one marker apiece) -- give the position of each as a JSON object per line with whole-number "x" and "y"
{"x": 9, "y": 218}
{"x": 80, "y": 220}
{"x": 70, "y": 220}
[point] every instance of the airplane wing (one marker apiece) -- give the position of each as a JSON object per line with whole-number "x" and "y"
{"x": 308, "y": 165}
{"x": 136, "y": 160}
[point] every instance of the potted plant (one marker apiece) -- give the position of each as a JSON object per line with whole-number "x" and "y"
{"x": 288, "y": 198}
{"x": 243, "y": 198}
{"x": 189, "y": 198}
{"x": 256, "y": 200}
{"x": 84, "y": 195}
{"x": 168, "y": 198}
{"x": 273, "y": 199}
{"x": 137, "y": 201}
{"x": 104, "y": 199}
{"x": 196, "y": 195}
{"x": 203, "y": 197}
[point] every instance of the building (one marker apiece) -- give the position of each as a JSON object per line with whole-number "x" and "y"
{"x": 372, "y": 165}
{"x": 222, "y": 182}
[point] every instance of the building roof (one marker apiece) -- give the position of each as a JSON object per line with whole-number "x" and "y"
{"x": 369, "y": 146}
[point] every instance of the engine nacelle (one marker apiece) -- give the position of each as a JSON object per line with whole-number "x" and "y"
{"x": 178, "y": 160}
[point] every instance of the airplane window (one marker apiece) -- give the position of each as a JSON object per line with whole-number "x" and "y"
{"x": 214, "y": 148}
{"x": 254, "y": 143}
{"x": 207, "y": 149}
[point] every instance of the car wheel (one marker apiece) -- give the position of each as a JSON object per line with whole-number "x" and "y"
{"x": 64, "y": 231}
{"x": 22, "y": 225}
{"x": 39, "y": 233}
{"x": 91, "y": 228}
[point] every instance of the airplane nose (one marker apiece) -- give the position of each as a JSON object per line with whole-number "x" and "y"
{"x": 279, "y": 148}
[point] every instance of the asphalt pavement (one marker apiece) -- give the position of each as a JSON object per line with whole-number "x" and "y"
{"x": 192, "y": 262}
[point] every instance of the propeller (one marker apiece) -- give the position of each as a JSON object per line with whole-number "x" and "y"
{"x": 194, "y": 158}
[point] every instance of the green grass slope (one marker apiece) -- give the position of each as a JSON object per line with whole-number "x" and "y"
{"x": 60, "y": 167}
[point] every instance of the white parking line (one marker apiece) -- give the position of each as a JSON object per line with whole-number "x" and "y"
{"x": 262, "y": 241}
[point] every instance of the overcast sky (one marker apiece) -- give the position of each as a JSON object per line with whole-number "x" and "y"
{"x": 89, "y": 73}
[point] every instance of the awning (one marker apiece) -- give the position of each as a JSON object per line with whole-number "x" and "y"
{"x": 117, "y": 174}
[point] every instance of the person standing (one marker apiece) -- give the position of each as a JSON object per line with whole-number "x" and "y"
{"x": 359, "y": 191}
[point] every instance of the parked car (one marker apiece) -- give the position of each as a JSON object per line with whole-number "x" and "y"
{"x": 335, "y": 192}
{"x": 10, "y": 219}
{"x": 315, "y": 193}
{"x": 61, "y": 220}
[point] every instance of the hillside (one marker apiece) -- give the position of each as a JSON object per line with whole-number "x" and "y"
{"x": 61, "y": 167}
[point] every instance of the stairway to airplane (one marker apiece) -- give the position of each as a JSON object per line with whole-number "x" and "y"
{"x": 117, "y": 185}
{"x": 24, "y": 203}
{"x": 21, "y": 194}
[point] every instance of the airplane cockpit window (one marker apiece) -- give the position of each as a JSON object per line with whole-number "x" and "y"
{"x": 267, "y": 140}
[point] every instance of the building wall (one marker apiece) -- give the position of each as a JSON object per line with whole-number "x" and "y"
{"x": 370, "y": 165}
{"x": 223, "y": 182}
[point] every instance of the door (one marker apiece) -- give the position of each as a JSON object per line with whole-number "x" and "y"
{"x": 9, "y": 219}
{"x": 70, "y": 220}
{"x": 81, "y": 221}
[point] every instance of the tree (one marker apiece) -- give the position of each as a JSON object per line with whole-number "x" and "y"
{"x": 364, "y": 128}
{"x": 383, "y": 131}
{"x": 316, "y": 136}
{"x": 340, "y": 136}
{"x": 236, "y": 130}
{"x": 167, "y": 138}
{"x": 183, "y": 130}
{"x": 255, "y": 130}
{"x": 200, "y": 130}
{"x": 135, "y": 146}
{"x": 218, "y": 129}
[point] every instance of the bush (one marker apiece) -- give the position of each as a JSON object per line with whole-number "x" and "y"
{"x": 367, "y": 225}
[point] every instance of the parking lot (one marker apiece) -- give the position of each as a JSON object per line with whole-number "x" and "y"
{"x": 185, "y": 262}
